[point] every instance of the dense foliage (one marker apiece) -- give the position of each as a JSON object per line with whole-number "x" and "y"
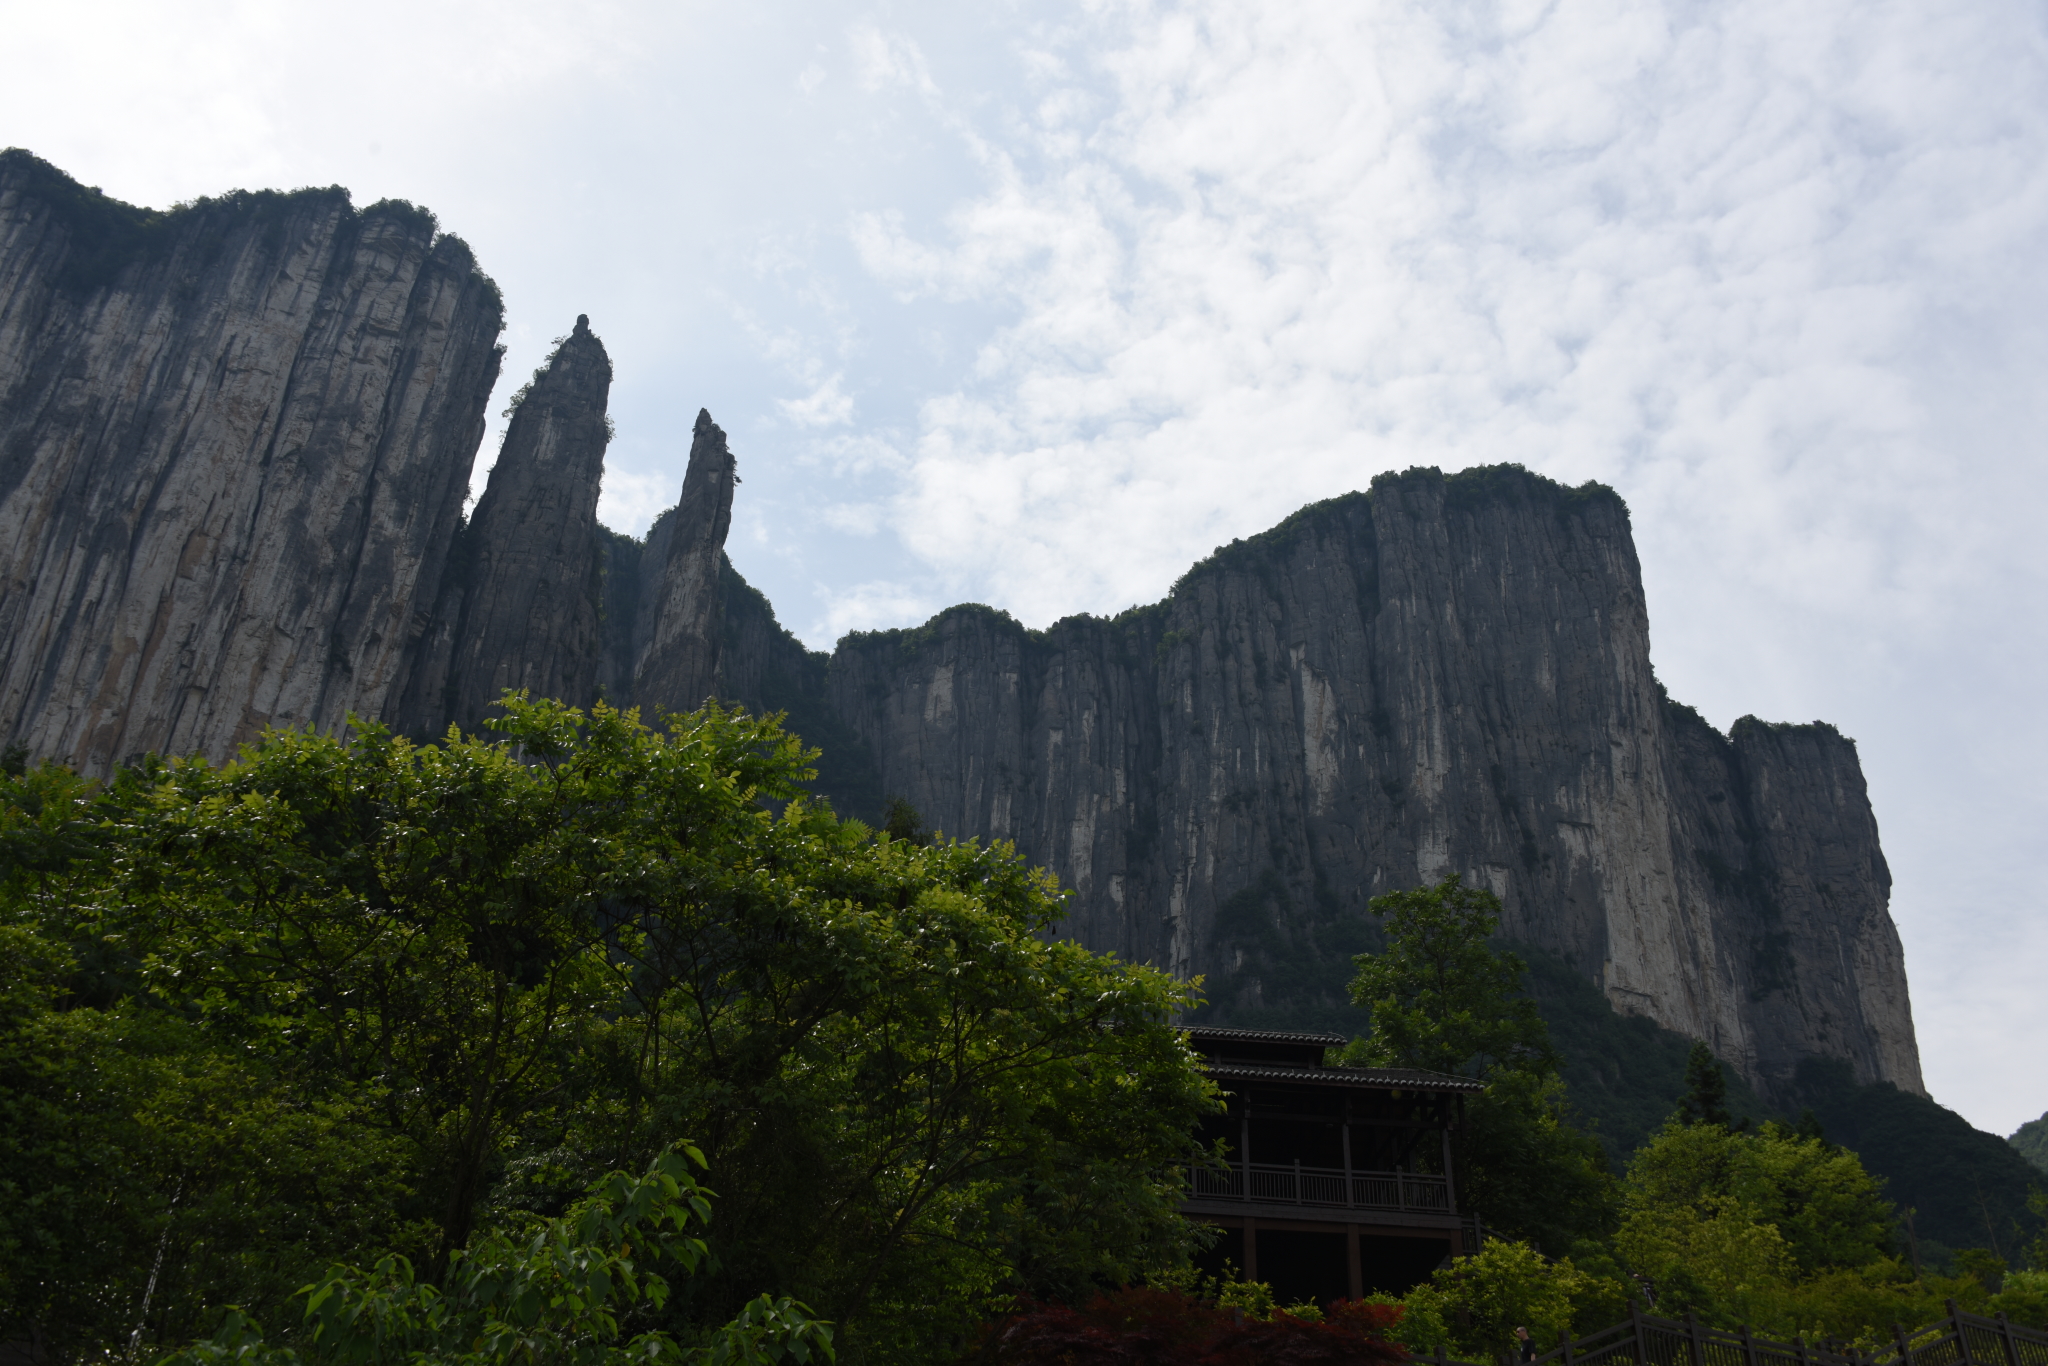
{"x": 2031, "y": 1142}
{"x": 1768, "y": 1225}
{"x": 1443, "y": 998}
{"x": 1773, "y": 1229}
{"x": 1623, "y": 1072}
{"x": 1965, "y": 1188}
{"x": 555, "y": 1296}
{"x": 345, "y": 998}
{"x": 1163, "y": 1326}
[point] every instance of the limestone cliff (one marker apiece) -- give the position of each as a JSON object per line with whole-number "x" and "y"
{"x": 522, "y": 601}
{"x": 677, "y": 630}
{"x": 234, "y": 443}
{"x": 1443, "y": 674}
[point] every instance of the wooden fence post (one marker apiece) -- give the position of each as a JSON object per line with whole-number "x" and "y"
{"x": 1748, "y": 1347}
{"x": 1692, "y": 1335}
{"x": 2012, "y": 1347}
{"x": 1905, "y": 1348}
{"x": 1955, "y": 1320}
{"x": 1635, "y": 1316}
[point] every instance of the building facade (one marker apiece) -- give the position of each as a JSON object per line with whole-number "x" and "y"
{"x": 1338, "y": 1181}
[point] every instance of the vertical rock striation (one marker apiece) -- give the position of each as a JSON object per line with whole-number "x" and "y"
{"x": 234, "y": 442}
{"x": 679, "y": 626}
{"x": 234, "y": 445}
{"x": 523, "y": 601}
{"x": 1442, "y": 675}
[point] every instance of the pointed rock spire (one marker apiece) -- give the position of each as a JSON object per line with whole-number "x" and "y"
{"x": 522, "y": 603}
{"x": 679, "y": 661}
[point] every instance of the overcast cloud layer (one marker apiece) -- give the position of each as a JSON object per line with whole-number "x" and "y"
{"x": 1037, "y": 304}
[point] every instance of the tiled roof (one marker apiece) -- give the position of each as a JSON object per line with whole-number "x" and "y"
{"x": 1267, "y": 1036}
{"x": 1375, "y": 1078}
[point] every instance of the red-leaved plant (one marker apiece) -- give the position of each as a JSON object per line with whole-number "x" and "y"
{"x": 1140, "y": 1326}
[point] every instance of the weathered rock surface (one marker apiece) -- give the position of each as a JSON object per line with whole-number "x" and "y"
{"x": 234, "y": 444}
{"x": 678, "y": 629}
{"x": 1441, "y": 675}
{"x": 522, "y": 602}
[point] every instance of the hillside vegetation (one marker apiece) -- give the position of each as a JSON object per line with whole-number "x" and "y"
{"x": 361, "y": 1003}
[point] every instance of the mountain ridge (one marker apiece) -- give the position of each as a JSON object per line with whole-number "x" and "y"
{"x": 235, "y": 441}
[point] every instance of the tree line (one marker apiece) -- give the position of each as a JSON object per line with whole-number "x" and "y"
{"x": 1770, "y": 1226}
{"x": 350, "y": 998}
{"x": 598, "y": 1042}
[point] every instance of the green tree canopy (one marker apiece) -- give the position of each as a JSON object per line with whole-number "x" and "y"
{"x": 1706, "y": 1090}
{"x": 1828, "y": 1212}
{"x": 1444, "y": 998}
{"x": 355, "y": 994}
{"x": 1441, "y": 996}
{"x": 556, "y": 1296}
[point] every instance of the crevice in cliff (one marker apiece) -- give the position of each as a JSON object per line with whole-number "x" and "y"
{"x": 1440, "y": 673}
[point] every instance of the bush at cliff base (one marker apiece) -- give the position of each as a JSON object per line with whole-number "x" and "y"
{"x": 351, "y": 996}
{"x": 1148, "y": 1326}
{"x": 1472, "y": 1307}
{"x": 557, "y": 1295}
{"x": 1775, "y": 1230}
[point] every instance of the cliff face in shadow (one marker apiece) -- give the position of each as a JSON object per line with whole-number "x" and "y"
{"x": 1441, "y": 675}
{"x": 522, "y": 601}
{"x": 235, "y": 441}
{"x": 677, "y": 630}
{"x": 234, "y": 444}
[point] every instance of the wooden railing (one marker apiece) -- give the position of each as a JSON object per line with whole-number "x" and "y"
{"x": 1961, "y": 1339}
{"x": 1272, "y": 1184}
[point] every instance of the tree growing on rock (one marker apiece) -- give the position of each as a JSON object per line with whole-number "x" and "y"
{"x": 1444, "y": 998}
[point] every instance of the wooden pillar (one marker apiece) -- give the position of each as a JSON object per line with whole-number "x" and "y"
{"x": 1955, "y": 1319}
{"x": 1350, "y": 1194}
{"x": 1443, "y": 1112}
{"x": 2012, "y": 1346}
{"x": 1244, "y": 1148}
{"x": 1251, "y": 1248}
{"x": 1353, "y": 1265}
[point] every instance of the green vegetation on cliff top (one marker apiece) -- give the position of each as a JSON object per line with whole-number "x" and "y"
{"x": 1466, "y": 490}
{"x": 2031, "y": 1141}
{"x": 106, "y": 236}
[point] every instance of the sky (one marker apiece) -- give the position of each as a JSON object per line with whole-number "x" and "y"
{"x": 1035, "y": 304}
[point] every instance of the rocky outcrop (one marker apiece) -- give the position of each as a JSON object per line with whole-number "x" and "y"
{"x": 522, "y": 604}
{"x": 1441, "y": 675}
{"x": 234, "y": 444}
{"x": 678, "y": 629}
{"x": 1779, "y": 858}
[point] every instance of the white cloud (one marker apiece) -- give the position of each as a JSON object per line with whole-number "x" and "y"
{"x": 629, "y": 501}
{"x": 828, "y": 405}
{"x": 877, "y": 605}
{"x": 1336, "y": 239}
{"x": 1773, "y": 270}
{"x": 883, "y": 59}
{"x": 856, "y": 519}
{"x": 856, "y": 454}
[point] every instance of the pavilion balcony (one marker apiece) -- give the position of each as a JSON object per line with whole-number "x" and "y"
{"x": 1323, "y": 1188}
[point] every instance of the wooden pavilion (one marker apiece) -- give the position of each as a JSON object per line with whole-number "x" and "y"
{"x": 1339, "y": 1179}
